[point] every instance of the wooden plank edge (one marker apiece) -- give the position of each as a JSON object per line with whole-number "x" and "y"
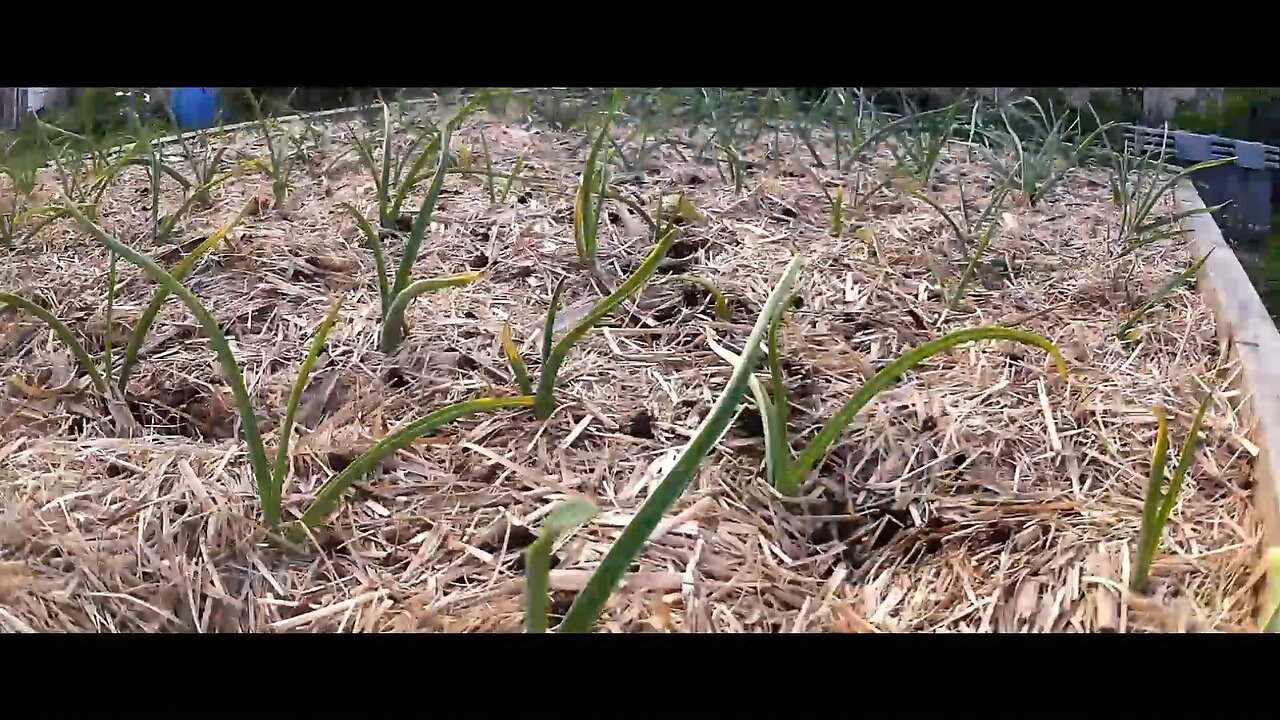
{"x": 1242, "y": 321}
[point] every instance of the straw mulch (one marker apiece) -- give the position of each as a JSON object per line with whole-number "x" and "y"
{"x": 982, "y": 493}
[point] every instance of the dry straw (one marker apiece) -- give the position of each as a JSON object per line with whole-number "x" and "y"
{"x": 980, "y": 493}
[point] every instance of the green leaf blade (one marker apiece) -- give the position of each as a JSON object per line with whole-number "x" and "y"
{"x": 517, "y": 365}
{"x": 379, "y": 255}
{"x": 590, "y": 602}
{"x": 295, "y": 395}
{"x": 1153, "y": 501}
{"x": 889, "y": 375}
{"x": 179, "y": 271}
{"x": 230, "y": 367}
{"x": 562, "y": 519}
{"x": 392, "y": 335}
{"x": 423, "y": 220}
{"x": 64, "y": 334}
{"x": 330, "y": 494}
{"x": 632, "y": 285}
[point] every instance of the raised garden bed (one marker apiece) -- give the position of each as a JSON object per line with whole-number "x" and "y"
{"x": 983, "y": 492}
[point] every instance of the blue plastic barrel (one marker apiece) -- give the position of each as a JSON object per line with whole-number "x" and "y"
{"x": 194, "y": 108}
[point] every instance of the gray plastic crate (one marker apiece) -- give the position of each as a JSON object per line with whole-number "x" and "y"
{"x": 1246, "y": 182}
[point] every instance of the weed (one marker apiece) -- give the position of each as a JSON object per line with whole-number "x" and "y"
{"x": 393, "y": 318}
{"x": 168, "y": 223}
{"x": 855, "y": 115}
